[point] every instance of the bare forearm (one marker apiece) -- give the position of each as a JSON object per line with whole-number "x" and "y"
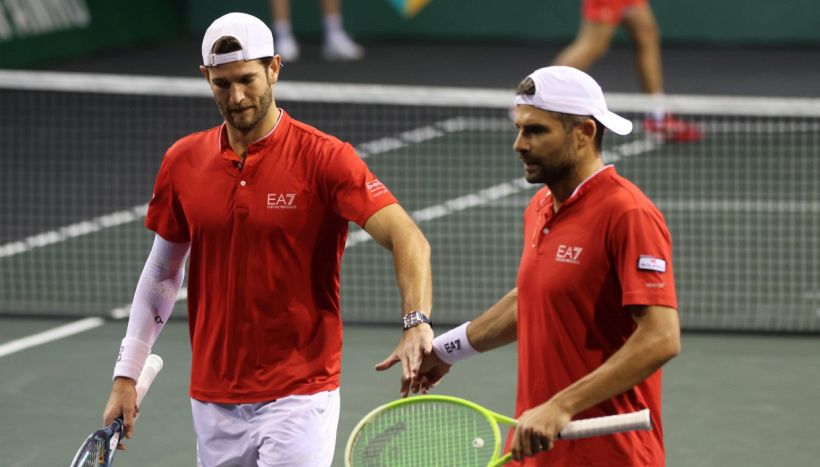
{"x": 649, "y": 347}
{"x": 497, "y": 326}
{"x": 393, "y": 229}
{"x": 411, "y": 259}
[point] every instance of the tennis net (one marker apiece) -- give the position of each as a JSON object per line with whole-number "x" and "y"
{"x": 81, "y": 152}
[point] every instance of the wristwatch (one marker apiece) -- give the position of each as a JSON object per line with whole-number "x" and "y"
{"x": 414, "y": 318}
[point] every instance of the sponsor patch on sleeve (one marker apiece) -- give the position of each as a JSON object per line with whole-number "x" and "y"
{"x": 650, "y": 263}
{"x": 376, "y": 187}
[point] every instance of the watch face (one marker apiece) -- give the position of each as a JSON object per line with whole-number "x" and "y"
{"x": 414, "y": 319}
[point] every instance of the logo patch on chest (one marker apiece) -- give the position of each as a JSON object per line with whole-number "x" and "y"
{"x": 568, "y": 254}
{"x": 281, "y": 200}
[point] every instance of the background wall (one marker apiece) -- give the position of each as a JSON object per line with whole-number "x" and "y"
{"x": 35, "y": 31}
{"x": 720, "y": 22}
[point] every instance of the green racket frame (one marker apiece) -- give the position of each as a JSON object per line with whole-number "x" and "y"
{"x": 493, "y": 419}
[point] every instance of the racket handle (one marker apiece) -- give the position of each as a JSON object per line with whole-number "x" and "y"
{"x": 153, "y": 365}
{"x": 607, "y": 425}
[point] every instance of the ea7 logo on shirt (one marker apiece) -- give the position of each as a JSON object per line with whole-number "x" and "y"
{"x": 281, "y": 200}
{"x": 568, "y": 254}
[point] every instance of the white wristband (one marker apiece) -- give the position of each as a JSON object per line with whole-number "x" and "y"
{"x": 132, "y": 357}
{"x": 454, "y": 345}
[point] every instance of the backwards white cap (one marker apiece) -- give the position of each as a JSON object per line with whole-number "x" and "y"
{"x": 568, "y": 90}
{"x": 253, "y": 35}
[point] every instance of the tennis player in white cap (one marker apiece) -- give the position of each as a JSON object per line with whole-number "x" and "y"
{"x": 261, "y": 204}
{"x": 594, "y": 310}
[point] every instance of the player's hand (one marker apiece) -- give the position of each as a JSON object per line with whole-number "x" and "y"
{"x": 415, "y": 343}
{"x": 122, "y": 401}
{"x": 430, "y": 373}
{"x": 537, "y": 429}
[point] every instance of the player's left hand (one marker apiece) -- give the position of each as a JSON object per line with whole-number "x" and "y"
{"x": 415, "y": 343}
{"x": 537, "y": 429}
{"x": 430, "y": 373}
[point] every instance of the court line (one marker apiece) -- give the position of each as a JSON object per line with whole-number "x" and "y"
{"x": 78, "y": 229}
{"x": 478, "y": 198}
{"x": 50, "y": 335}
{"x": 740, "y": 205}
{"x": 502, "y": 190}
{"x": 384, "y": 145}
{"x": 744, "y": 206}
{"x": 365, "y": 150}
{"x": 85, "y": 227}
{"x": 470, "y": 200}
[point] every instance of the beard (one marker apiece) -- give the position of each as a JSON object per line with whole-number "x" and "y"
{"x": 251, "y": 116}
{"x": 551, "y": 168}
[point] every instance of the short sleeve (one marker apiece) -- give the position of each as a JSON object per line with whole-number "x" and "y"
{"x": 351, "y": 190}
{"x": 642, "y": 252}
{"x": 165, "y": 214}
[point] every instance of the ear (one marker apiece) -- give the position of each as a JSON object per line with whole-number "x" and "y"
{"x": 205, "y": 74}
{"x": 586, "y": 133}
{"x": 275, "y": 67}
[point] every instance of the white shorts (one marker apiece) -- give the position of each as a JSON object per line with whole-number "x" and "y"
{"x": 292, "y": 431}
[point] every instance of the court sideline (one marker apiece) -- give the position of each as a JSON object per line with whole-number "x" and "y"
{"x": 728, "y": 399}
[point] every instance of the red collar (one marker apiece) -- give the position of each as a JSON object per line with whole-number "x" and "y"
{"x": 600, "y": 176}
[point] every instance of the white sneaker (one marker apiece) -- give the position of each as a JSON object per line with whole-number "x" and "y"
{"x": 287, "y": 47}
{"x": 339, "y": 46}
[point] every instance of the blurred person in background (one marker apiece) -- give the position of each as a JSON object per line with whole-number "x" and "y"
{"x": 599, "y": 21}
{"x": 337, "y": 45}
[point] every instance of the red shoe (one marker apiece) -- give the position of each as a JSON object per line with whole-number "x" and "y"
{"x": 673, "y": 129}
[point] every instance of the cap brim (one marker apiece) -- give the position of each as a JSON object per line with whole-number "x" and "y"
{"x": 615, "y": 122}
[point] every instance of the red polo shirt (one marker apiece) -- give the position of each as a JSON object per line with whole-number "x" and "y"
{"x": 607, "y": 247}
{"x": 266, "y": 245}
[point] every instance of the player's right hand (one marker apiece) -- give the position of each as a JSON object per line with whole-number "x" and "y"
{"x": 415, "y": 344}
{"x": 122, "y": 401}
{"x": 538, "y": 428}
{"x": 431, "y": 371}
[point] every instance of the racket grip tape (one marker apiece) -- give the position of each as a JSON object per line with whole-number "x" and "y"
{"x": 607, "y": 425}
{"x": 153, "y": 365}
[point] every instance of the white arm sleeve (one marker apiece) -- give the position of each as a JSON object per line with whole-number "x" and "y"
{"x": 153, "y": 302}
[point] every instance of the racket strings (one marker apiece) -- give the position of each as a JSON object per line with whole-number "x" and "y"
{"x": 428, "y": 434}
{"x": 93, "y": 455}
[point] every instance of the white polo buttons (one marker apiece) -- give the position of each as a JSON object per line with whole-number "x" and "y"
{"x": 243, "y": 183}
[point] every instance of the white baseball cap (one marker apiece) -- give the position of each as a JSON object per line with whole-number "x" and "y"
{"x": 568, "y": 90}
{"x": 253, "y": 35}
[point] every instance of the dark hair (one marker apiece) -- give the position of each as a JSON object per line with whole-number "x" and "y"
{"x": 525, "y": 88}
{"x": 569, "y": 121}
{"x": 228, "y": 44}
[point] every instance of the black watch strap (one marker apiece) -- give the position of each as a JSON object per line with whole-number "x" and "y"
{"x": 414, "y": 318}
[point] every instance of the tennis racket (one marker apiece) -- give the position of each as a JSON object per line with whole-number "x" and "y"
{"x": 434, "y": 430}
{"x": 98, "y": 449}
